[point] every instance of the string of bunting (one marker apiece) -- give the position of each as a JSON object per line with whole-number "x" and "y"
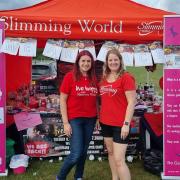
{"x": 67, "y": 50}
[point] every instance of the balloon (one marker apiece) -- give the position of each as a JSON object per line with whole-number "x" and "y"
{"x": 161, "y": 82}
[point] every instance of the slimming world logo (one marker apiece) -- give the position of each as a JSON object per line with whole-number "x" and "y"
{"x": 149, "y": 27}
{"x": 108, "y": 90}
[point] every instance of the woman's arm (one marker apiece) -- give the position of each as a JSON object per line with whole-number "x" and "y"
{"x": 63, "y": 109}
{"x": 97, "y": 127}
{"x": 131, "y": 99}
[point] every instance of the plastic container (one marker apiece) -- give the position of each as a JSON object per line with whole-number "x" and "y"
{"x": 9, "y": 150}
{"x": 19, "y": 163}
{"x": 156, "y": 107}
{"x": 10, "y": 146}
{"x": 19, "y": 170}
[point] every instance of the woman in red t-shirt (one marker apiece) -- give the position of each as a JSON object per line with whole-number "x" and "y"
{"x": 78, "y": 93}
{"x": 118, "y": 96}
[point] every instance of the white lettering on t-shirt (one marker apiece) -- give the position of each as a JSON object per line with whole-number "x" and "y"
{"x": 79, "y": 88}
{"x": 108, "y": 90}
{"x": 86, "y": 90}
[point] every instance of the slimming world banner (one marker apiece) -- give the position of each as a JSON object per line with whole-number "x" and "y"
{"x": 171, "y": 90}
{"x": 172, "y": 122}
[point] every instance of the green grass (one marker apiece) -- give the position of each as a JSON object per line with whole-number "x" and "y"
{"x": 141, "y": 76}
{"x": 94, "y": 170}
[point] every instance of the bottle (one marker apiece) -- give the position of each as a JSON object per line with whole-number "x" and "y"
{"x": 43, "y": 102}
{"x": 31, "y": 92}
{"x": 138, "y": 89}
{"x": 141, "y": 92}
{"x": 146, "y": 86}
{"x": 48, "y": 104}
{"x": 26, "y": 100}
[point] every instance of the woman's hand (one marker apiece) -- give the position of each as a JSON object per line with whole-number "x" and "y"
{"x": 97, "y": 126}
{"x": 67, "y": 129}
{"x": 124, "y": 131}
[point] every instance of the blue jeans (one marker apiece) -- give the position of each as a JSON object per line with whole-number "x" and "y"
{"x": 82, "y": 130}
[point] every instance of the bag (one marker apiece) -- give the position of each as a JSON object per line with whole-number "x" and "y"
{"x": 153, "y": 161}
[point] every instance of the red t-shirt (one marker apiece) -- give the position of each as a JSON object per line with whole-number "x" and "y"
{"x": 113, "y": 99}
{"x": 81, "y": 100}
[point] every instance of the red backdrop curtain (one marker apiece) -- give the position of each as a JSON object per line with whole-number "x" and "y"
{"x": 18, "y": 71}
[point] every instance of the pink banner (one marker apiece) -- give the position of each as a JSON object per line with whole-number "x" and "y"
{"x": 171, "y": 122}
{"x": 172, "y": 30}
{"x": 2, "y": 104}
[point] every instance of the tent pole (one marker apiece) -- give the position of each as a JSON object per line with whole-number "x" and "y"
{"x": 147, "y": 77}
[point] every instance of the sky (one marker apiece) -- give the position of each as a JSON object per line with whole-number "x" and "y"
{"x": 17, "y": 4}
{"x": 167, "y": 5}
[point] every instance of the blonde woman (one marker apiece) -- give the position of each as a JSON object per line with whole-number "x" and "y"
{"x": 118, "y": 96}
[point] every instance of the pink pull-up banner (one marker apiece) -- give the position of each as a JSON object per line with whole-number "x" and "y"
{"x": 172, "y": 30}
{"x": 172, "y": 122}
{"x": 171, "y": 111}
{"x": 2, "y": 104}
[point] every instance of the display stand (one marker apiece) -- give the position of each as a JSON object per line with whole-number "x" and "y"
{"x": 171, "y": 124}
{"x": 169, "y": 177}
{"x": 3, "y": 171}
{"x": 171, "y": 169}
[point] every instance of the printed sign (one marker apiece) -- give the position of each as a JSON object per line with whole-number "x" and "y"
{"x": 53, "y": 48}
{"x": 171, "y": 90}
{"x": 172, "y": 30}
{"x": 26, "y": 120}
{"x": 28, "y": 47}
{"x": 142, "y": 56}
{"x": 10, "y": 46}
{"x": 157, "y": 52}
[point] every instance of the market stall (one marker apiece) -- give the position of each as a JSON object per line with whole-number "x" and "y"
{"x": 121, "y": 21}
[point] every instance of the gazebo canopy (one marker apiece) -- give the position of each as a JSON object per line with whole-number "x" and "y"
{"x": 121, "y": 20}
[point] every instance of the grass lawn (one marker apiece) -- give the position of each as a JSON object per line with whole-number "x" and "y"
{"x": 95, "y": 170}
{"x": 141, "y": 76}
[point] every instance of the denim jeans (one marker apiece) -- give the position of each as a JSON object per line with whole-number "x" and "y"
{"x": 82, "y": 130}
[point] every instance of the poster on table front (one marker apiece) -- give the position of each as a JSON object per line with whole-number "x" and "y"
{"x": 2, "y": 104}
{"x": 172, "y": 97}
{"x": 48, "y": 139}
